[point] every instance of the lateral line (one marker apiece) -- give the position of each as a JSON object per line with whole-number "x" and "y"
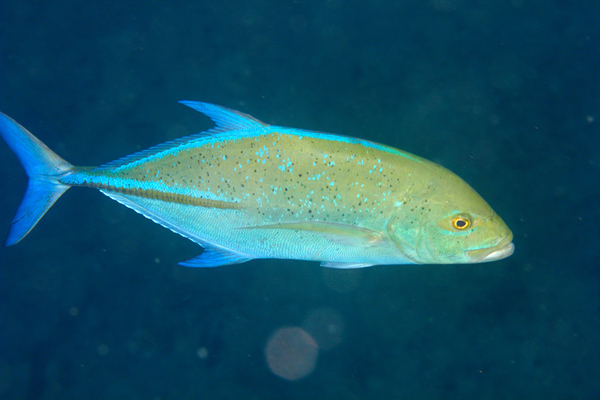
{"x": 168, "y": 197}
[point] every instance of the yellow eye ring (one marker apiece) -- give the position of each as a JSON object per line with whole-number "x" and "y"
{"x": 461, "y": 223}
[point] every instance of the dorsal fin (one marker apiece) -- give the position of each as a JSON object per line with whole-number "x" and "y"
{"x": 225, "y": 119}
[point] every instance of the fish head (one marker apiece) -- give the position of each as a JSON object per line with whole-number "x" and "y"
{"x": 449, "y": 223}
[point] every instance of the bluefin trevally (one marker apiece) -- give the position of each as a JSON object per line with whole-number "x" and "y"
{"x": 247, "y": 190}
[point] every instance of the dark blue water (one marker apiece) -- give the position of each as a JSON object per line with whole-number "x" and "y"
{"x": 504, "y": 93}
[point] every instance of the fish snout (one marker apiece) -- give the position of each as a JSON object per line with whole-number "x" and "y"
{"x": 504, "y": 248}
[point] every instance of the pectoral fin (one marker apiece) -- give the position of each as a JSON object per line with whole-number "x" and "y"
{"x": 341, "y": 265}
{"x": 339, "y": 233}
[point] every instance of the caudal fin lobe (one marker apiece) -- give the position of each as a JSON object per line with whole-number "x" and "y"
{"x": 44, "y": 168}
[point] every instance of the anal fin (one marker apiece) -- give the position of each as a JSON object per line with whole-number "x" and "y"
{"x": 215, "y": 257}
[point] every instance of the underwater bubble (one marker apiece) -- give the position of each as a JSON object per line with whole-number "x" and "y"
{"x": 202, "y": 353}
{"x": 291, "y": 353}
{"x": 103, "y": 349}
{"x": 326, "y": 326}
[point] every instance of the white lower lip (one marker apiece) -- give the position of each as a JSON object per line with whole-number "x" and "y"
{"x": 500, "y": 254}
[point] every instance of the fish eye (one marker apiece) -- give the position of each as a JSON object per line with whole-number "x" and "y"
{"x": 461, "y": 223}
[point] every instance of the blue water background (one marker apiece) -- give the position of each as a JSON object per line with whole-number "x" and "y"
{"x": 504, "y": 93}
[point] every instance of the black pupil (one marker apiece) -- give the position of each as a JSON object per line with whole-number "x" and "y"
{"x": 460, "y": 223}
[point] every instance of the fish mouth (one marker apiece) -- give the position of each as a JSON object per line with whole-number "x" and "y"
{"x": 504, "y": 248}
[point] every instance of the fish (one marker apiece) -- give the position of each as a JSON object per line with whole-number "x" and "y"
{"x": 246, "y": 190}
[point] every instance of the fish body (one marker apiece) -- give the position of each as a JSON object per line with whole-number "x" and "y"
{"x": 245, "y": 190}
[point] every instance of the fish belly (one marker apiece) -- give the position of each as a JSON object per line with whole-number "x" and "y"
{"x": 234, "y": 231}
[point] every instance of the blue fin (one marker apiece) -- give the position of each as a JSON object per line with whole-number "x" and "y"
{"x": 44, "y": 169}
{"x": 215, "y": 257}
{"x": 225, "y": 118}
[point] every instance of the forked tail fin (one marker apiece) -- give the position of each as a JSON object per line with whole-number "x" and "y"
{"x": 44, "y": 169}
